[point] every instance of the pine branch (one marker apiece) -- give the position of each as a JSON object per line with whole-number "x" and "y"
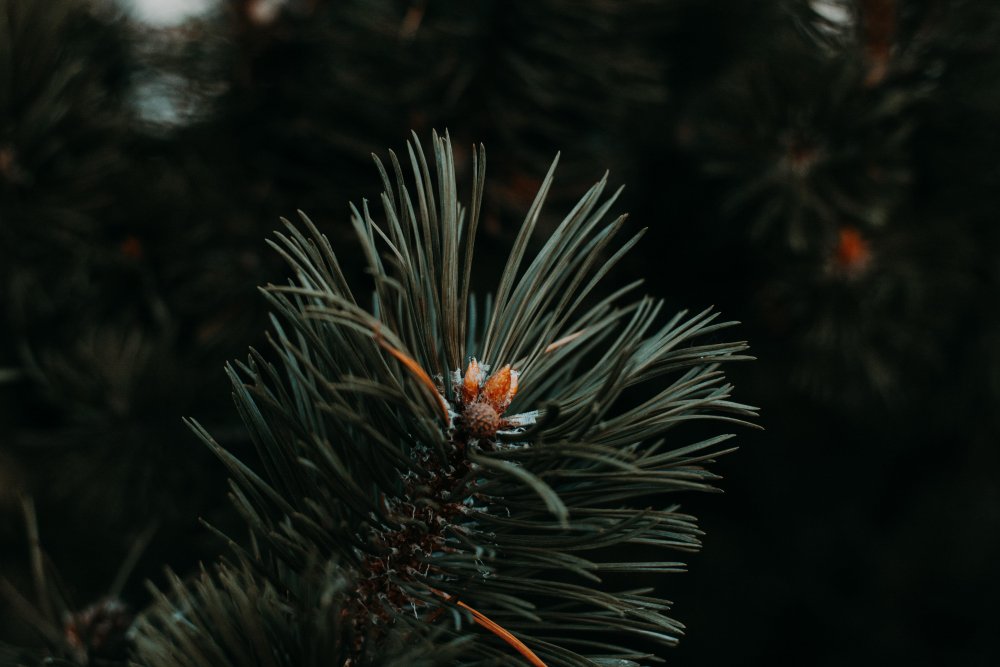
{"x": 451, "y": 461}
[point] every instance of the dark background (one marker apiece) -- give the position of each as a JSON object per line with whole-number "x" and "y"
{"x": 826, "y": 173}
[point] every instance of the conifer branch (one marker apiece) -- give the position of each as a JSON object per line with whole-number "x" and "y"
{"x": 446, "y": 457}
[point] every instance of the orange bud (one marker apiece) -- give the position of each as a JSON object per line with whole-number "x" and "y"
{"x": 496, "y": 391}
{"x": 853, "y": 251}
{"x": 470, "y": 385}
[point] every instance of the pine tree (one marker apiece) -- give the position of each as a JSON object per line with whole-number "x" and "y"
{"x": 459, "y": 460}
{"x": 822, "y": 170}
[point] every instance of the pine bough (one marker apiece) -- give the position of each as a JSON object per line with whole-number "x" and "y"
{"x": 446, "y": 481}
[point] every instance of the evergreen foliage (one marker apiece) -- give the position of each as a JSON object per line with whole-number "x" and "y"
{"x": 823, "y": 171}
{"x": 370, "y": 451}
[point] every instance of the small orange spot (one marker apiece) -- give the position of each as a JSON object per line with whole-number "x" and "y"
{"x": 853, "y": 251}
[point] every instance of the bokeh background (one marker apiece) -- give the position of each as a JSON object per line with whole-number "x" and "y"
{"x": 825, "y": 172}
